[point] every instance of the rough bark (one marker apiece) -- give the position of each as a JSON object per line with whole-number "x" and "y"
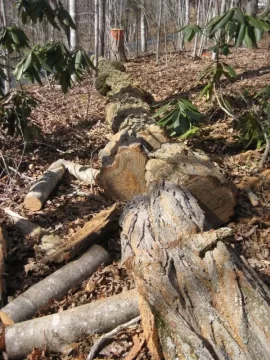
{"x": 102, "y": 223}
{"x": 41, "y": 190}
{"x": 48, "y": 242}
{"x": 56, "y": 285}
{"x": 128, "y": 102}
{"x": 53, "y": 332}
{"x": 200, "y": 300}
{"x": 117, "y": 48}
{"x": 81, "y": 172}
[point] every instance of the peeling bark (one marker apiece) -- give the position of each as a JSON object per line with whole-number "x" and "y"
{"x": 206, "y": 301}
{"x": 103, "y": 222}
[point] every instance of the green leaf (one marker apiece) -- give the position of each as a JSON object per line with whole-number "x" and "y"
{"x": 230, "y": 70}
{"x": 27, "y": 62}
{"x": 255, "y": 22}
{"x": 224, "y": 20}
{"x": 239, "y": 16}
{"x": 161, "y": 110}
{"x": 250, "y": 39}
{"x": 240, "y": 36}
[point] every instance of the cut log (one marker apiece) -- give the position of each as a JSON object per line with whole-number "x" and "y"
{"x": 40, "y": 191}
{"x": 3, "y": 255}
{"x": 102, "y": 223}
{"x": 206, "y": 301}
{"x": 56, "y": 285}
{"x": 126, "y": 172}
{"x": 55, "y": 331}
{"x": 117, "y": 47}
{"x": 122, "y": 175}
{"x": 48, "y": 243}
{"x": 81, "y": 172}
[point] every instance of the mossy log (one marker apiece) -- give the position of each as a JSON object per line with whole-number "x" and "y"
{"x": 198, "y": 298}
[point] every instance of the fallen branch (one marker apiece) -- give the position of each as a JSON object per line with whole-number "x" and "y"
{"x": 86, "y": 236}
{"x": 40, "y": 191}
{"x": 48, "y": 242}
{"x": 53, "y": 332}
{"x": 56, "y": 285}
{"x": 81, "y": 172}
{"x": 104, "y": 338}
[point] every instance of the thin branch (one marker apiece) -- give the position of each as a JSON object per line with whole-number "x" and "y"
{"x": 96, "y": 347}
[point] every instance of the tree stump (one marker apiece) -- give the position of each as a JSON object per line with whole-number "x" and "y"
{"x": 117, "y": 49}
{"x": 199, "y": 299}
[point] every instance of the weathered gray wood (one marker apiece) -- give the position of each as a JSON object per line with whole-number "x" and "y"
{"x": 206, "y": 302}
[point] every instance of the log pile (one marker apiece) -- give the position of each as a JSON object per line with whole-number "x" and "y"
{"x": 196, "y": 296}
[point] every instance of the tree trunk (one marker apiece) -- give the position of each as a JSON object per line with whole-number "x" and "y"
{"x": 252, "y": 7}
{"x": 102, "y": 22}
{"x": 6, "y": 57}
{"x": 143, "y": 29}
{"x": 73, "y": 32}
{"x": 96, "y": 33}
{"x": 199, "y": 299}
{"x": 117, "y": 50}
{"x": 159, "y": 30}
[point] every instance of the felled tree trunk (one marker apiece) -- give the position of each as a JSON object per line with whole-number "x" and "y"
{"x": 117, "y": 47}
{"x": 41, "y": 190}
{"x": 130, "y": 170}
{"x": 199, "y": 299}
{"x": 55, "y": 286}
{"x": 54, "y": 332}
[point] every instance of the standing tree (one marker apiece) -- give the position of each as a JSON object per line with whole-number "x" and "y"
{"x": 73, "y": 32}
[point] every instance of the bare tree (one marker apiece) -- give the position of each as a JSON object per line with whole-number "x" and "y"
{"x": 102, "y": 25}
{"x": 252, "y": 7}
{"x": 6, "y": 62}
{"x": 143, "y": 28}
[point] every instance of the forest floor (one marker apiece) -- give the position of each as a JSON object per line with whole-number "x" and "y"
{"x": 74, "y": 129}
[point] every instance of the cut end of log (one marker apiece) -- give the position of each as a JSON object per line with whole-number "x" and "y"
{"x": 124, "y": 178}
{"x": 32, "y": 203}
